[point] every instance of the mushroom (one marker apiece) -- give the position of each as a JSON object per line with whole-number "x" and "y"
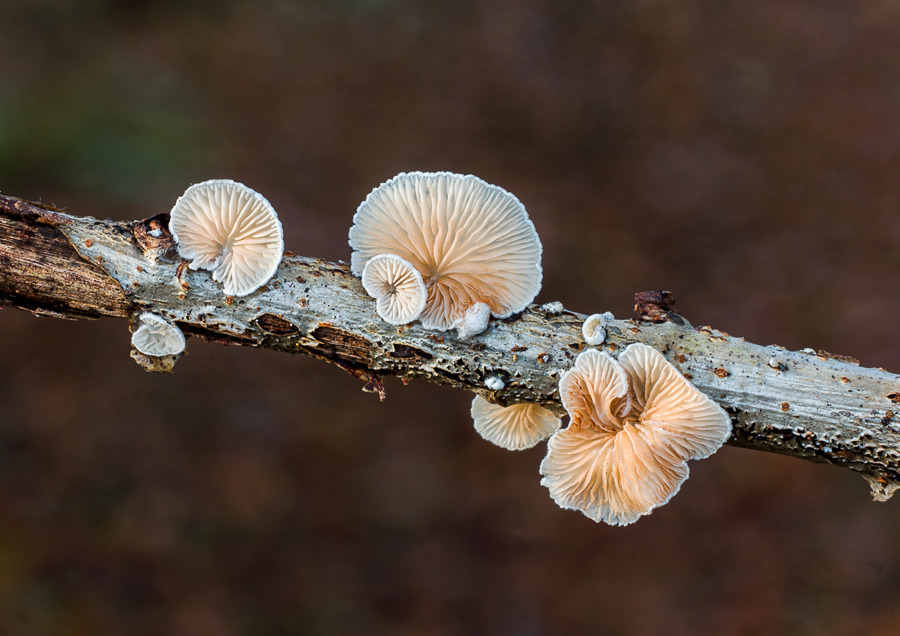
{"x": 634, "y": 424}
{"x": 227, "y": 228}
{"x": 515, "y": 427}
{"x": 156, "y": 336}
{"x": 594, "y": 328}
{"x": 396, "y": 287}
{"x": 473, "y": 322}
{"x": 471, "y": 241}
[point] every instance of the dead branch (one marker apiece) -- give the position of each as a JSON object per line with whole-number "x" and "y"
{"x": 806, "y": 404}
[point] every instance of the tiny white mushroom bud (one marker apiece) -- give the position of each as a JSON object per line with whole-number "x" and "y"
{"x": 777, "y": 364}
{"x": 594, "y": 329}
{"x": 808, "y": 351}
{"x": 397, "y": 288}
{"x": 553, "y": 308}
{"x": 155, "y": 233}
{"x": 157, "y": 336}
{"x": 474, "y": 321}
{"x": 494, "y": 383}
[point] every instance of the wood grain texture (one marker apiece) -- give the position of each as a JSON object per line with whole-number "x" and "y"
{"x": 41, "y": 272}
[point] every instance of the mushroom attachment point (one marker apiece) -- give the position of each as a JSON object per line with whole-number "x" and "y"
{"x": 594, "y": 329}
{"x": 634, "y": 425}
{"x": 397, "y": 288}
{"x": 515, "y": 427}
{"x": 471, "y": 241}
{"x": 233, "y": 231}
{"x": 156, "y": 336}
{"x": 473, "y": 322}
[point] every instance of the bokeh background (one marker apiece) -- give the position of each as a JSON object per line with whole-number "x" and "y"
{"x": 744, "y": 154}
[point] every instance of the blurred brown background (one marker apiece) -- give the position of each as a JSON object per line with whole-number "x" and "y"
{"x": 743, "y": 154}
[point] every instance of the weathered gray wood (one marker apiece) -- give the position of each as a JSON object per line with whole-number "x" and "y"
{"x": 809, "y": 405}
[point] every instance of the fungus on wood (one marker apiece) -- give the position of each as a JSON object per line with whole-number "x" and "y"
{"x": 62, "y": 265}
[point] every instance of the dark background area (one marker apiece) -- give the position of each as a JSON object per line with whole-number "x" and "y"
{"x": 743, "y": 154}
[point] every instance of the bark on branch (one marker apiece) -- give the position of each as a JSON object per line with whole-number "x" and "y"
{"x": 811, "y": 405}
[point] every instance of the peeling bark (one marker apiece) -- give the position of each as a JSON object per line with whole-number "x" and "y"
{"x": 811, "y": 405}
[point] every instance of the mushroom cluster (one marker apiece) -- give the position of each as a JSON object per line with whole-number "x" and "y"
{"x": 224, "y": 227}
{"x": 634, "y": 425}
{"x": 473, "y": 244}
{"x": 453, "y": 251}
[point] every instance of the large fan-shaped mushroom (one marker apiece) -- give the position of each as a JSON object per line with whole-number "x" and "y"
{"x": 227, "y": 228}
{"x": 634, "y": 424}
{"x": 471, "y": 241}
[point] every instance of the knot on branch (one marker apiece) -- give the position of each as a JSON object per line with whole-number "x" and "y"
{"x": 656, "y": 306}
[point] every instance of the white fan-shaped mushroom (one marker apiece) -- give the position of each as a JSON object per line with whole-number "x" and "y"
{"x": 397, "y": 288}
{"x": 227, "y": 228}
{"x": 156, "y": 336}
{"x": 594, "y": 329}
{"x": 515, "y": 427}
{"x": 471, "y": 241}
{"x": 635, "y": 423}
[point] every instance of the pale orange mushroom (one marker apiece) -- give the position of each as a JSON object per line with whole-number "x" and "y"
{"x": 514, "y": 427}
{"x": 634, "y": 425}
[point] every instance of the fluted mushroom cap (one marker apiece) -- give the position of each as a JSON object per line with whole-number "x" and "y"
{"x": 227, "y": 228}
{"x": 515, "y": 427}
{"x": 471, "y": 241}
{"x": 396, "y": 287}
{"x": 634, "y": 424}
{"x": 156, "y": 336}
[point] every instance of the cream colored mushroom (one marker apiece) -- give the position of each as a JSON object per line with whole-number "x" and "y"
{"x": 471, "y": 241}
{"x": 594, "y": 328}
{"x": 634, "y": 424}
{"x": 396, "y": 287}
{"x": 515, "y": 427}
{"x": 227, "y": 228}
{"x": 156, "y": 336}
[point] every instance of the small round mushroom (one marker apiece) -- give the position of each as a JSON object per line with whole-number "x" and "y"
{"x": 471, "y": 241}
{"x": 634, "y": 425}
{"x": 473, "y": 322}
{"x": 494, "y": 383}
{"x": 396, "y": 287}
{"x": 227, "y": 228}
{"x": 515, "y": 427}
{"x": 594, "y": 329}
{"x": 156, "y": 336}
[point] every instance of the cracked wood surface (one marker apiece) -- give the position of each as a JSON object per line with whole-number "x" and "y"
{"x": 811, "y": 405}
